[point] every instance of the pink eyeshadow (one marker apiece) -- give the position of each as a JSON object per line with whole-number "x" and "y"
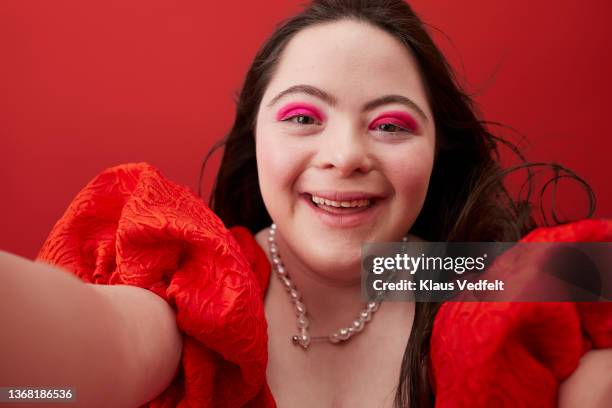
{"x": 397, "y": 118}
{"x": 300, "y": 108}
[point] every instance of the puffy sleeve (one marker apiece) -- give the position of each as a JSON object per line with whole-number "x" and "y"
{"x": 515, "y": 354}
{"x": 132, "y": 226}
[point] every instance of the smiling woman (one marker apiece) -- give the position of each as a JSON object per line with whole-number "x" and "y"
{"x": 349, "y": 129}
{"x": 351, "y": 104}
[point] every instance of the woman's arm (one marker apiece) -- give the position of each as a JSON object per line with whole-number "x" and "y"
{"x": 115, "y": 345}
{"x": 590, "y": 386}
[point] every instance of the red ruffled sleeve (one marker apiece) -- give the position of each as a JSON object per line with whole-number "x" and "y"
{"x": 516, "y": 354}
{"x": 131, "y": 226}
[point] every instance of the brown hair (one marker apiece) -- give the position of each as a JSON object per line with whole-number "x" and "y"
{"x": 466, "y": 200}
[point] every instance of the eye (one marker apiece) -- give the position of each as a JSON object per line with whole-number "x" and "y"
{"x": 396, "y": 123}
{"x": 300, "y": 115}
{"x": 391, "y": 128}
{"x": 301, "y": 119}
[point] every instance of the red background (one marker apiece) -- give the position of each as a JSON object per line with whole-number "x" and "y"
{"x": 87, "y": 85}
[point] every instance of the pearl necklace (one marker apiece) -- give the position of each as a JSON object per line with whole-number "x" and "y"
{"x": 304, "y": 338}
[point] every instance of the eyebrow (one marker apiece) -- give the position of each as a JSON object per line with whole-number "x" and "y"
{"x": 332, "y": 101}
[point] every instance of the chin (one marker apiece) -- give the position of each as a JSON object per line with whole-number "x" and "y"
{"x": 336, "y": 261}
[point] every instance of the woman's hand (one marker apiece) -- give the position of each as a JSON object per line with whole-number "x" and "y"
{"x": 590, "y": 386}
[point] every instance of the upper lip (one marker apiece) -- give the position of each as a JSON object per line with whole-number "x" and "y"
{"x": 345, "y": 195}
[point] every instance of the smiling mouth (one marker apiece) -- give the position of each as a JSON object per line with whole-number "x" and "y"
{"x": 340, "y": 207}
{"x": 324, "y": 202}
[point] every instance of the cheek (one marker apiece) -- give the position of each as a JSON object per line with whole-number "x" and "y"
{"x": 278, "y": 163}
{"x": 409, "y": 173}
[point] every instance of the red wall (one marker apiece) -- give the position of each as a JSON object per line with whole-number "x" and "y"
{"x": 87, "y": 85}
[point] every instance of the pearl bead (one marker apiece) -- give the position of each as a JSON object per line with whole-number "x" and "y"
{"x": 295, "y": 295}
{"x": 344, "y": 333}
{"x": 300, "y": 308}
{"x": 280, "y": 269}
{"x": 304, "y": 340}
{"x": 288, "y": 284}
{"x": 302, "y": 321}
{"x": 334, "y": 337}
{"x": 365, "y": 315}
{"x": 357, "y": 325}
{"x": 372, "y": 306}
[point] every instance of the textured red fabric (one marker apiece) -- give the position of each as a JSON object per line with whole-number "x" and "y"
{"x": 132, "y": 226}
{"x": 515, "y": 354}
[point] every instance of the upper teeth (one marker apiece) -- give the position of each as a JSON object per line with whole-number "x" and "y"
{"x": 353, "y": 203}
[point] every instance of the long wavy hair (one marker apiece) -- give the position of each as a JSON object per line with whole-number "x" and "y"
{"x": 466, "y": 199}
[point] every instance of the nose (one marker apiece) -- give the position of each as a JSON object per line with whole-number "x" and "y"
{"x": 344, "y": 149}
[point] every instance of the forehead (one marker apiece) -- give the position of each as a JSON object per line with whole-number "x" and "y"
{"x": 351, "y": 60}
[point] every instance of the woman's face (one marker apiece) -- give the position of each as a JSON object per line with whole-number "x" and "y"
{"x": 345, "y": 144}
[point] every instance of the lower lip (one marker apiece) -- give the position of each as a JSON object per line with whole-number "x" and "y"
{"x": 341, "y": 220}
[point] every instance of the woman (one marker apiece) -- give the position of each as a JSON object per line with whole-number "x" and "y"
{"x": 349, "y": 128}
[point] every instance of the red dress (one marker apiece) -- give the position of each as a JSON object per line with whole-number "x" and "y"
{"x": 132, "y": 226}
